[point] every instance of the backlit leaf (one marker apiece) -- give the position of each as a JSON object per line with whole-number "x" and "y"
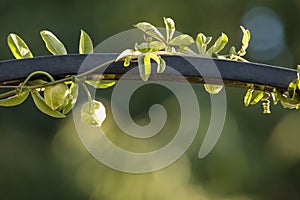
{"x": 150, "y": 30}
{"x": 125, "y": 53}
{"x": 71, "y": 99}
{"x": 182, "y": 40}
{"x": 101, "y": 84}
{"x": 18, "y": 47}
{"x": 248, "y": 97}
{"x": 144, "y": 67}
{"x": 85, "y": 43}
{"x": 149, "y": 47}
{"x": 15, "y": 100}
{"x": 257, "y": 95}
{"x": 55, "y": 95}
{"x": 162, "y": 66}
{"x": 43, "y": 107}
{"x": 219, "y": 44}
{"x": 52, "y": 43}
{"x": 170, "y": 27}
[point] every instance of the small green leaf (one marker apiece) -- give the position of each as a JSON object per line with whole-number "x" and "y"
{"x": 150, "y": 30}
{"x": 162, "y": 66}
{"x": 149, "y": 47}
{"x": 213, "y": 89}
{"x": 55, "y": 95}
{"x": 101, "y": 84}
{"x": 170, "y": 28}
{"x": 144, "y": 66}
{"x": 85, "y": 43}
{"x": 154, "y": 57}
{"x": 248, "y": 97}
{"x": 43, "y": 107}
{"x": 274, "y": 97}
{"x": 124, "y": 54}
{"x": 18, "y": 47}
{"x": 96, "y": 117}
{"x": 52, "y": 43}
{"x": 293, "y": 87}
{"x": 200, "y": 42}
{"x": 71, "y": 99}
{"x": 219, "y": 44}
{"x": 246, "y": 37}
{"x": 182, "y": 40}
{"x": 245, "y": 41}
{"x": 232, "y": 50}
{"x": 257, "y": 95}
{"x": 15, "y": 100}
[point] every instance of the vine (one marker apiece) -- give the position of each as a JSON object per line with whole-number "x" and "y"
{"x": 56, "y": 98}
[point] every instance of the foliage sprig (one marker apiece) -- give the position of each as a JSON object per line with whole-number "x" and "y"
{"x": 56, "y": 98}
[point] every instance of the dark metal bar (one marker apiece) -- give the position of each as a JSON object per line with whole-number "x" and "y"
{"x": 194, "y": 69}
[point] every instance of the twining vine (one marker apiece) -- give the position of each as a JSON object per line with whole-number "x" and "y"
{"x": 56, "y": 98}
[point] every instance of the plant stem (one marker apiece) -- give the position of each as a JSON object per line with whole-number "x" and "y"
{"x": 7, "y": 94}
{"x": 90, "y": 100}
{"x": 70, "y": 78}
{"x": 38, "y": 73}
{"x": 95, "y": 68}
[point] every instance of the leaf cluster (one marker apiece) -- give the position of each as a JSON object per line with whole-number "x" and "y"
{"x": 157, "y": 44}
{"x": 55, "y": 98}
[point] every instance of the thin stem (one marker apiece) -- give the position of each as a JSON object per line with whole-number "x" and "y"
{"x": 9, "y": 86}
{"x": 95, "y": 68}
{"x": 38, "y": 73}
{"x": 88, "y": 94}
{"x": 7, "y": 94}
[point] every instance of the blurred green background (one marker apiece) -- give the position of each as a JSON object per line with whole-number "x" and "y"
{"x": 257, "y": 156}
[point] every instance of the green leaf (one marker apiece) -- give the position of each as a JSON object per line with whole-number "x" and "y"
{"x": 232, "y": 50}
{"x": 154, "y": 57}
{"x": 213, "y": 89}
{"x": 101, "y": 84}
{"x": 245, "y": 41}
{"x": 246, "y": 37}
{"x": 257, "y": 95}
{"x": 52, "y": 43}
{"x": 182, "y": 40}
{"x": 219, "y": 44}
{"x": 15, "y": 100}
{"x": 150, "y": 47}
{"x": 43, "y": 107}
{"x": 124, "y": 54}
{"x": 170, "y": 28}
{"x": 85, "y": 43}
{"x": 150, "y": 30}
{"x": 248, "y": 97}
{"x": 162, "y": 66}
{"x": 96, "y": 117}
{"x": 274, "y": 97}
{"x": 200, "y": 42}
{"x": 71, "y": 99}
{"x": 144, "y": 66}
{"x": 293, "y": 87}
{"x": 18, "y": 47}
{"x": 55, "y": 95}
